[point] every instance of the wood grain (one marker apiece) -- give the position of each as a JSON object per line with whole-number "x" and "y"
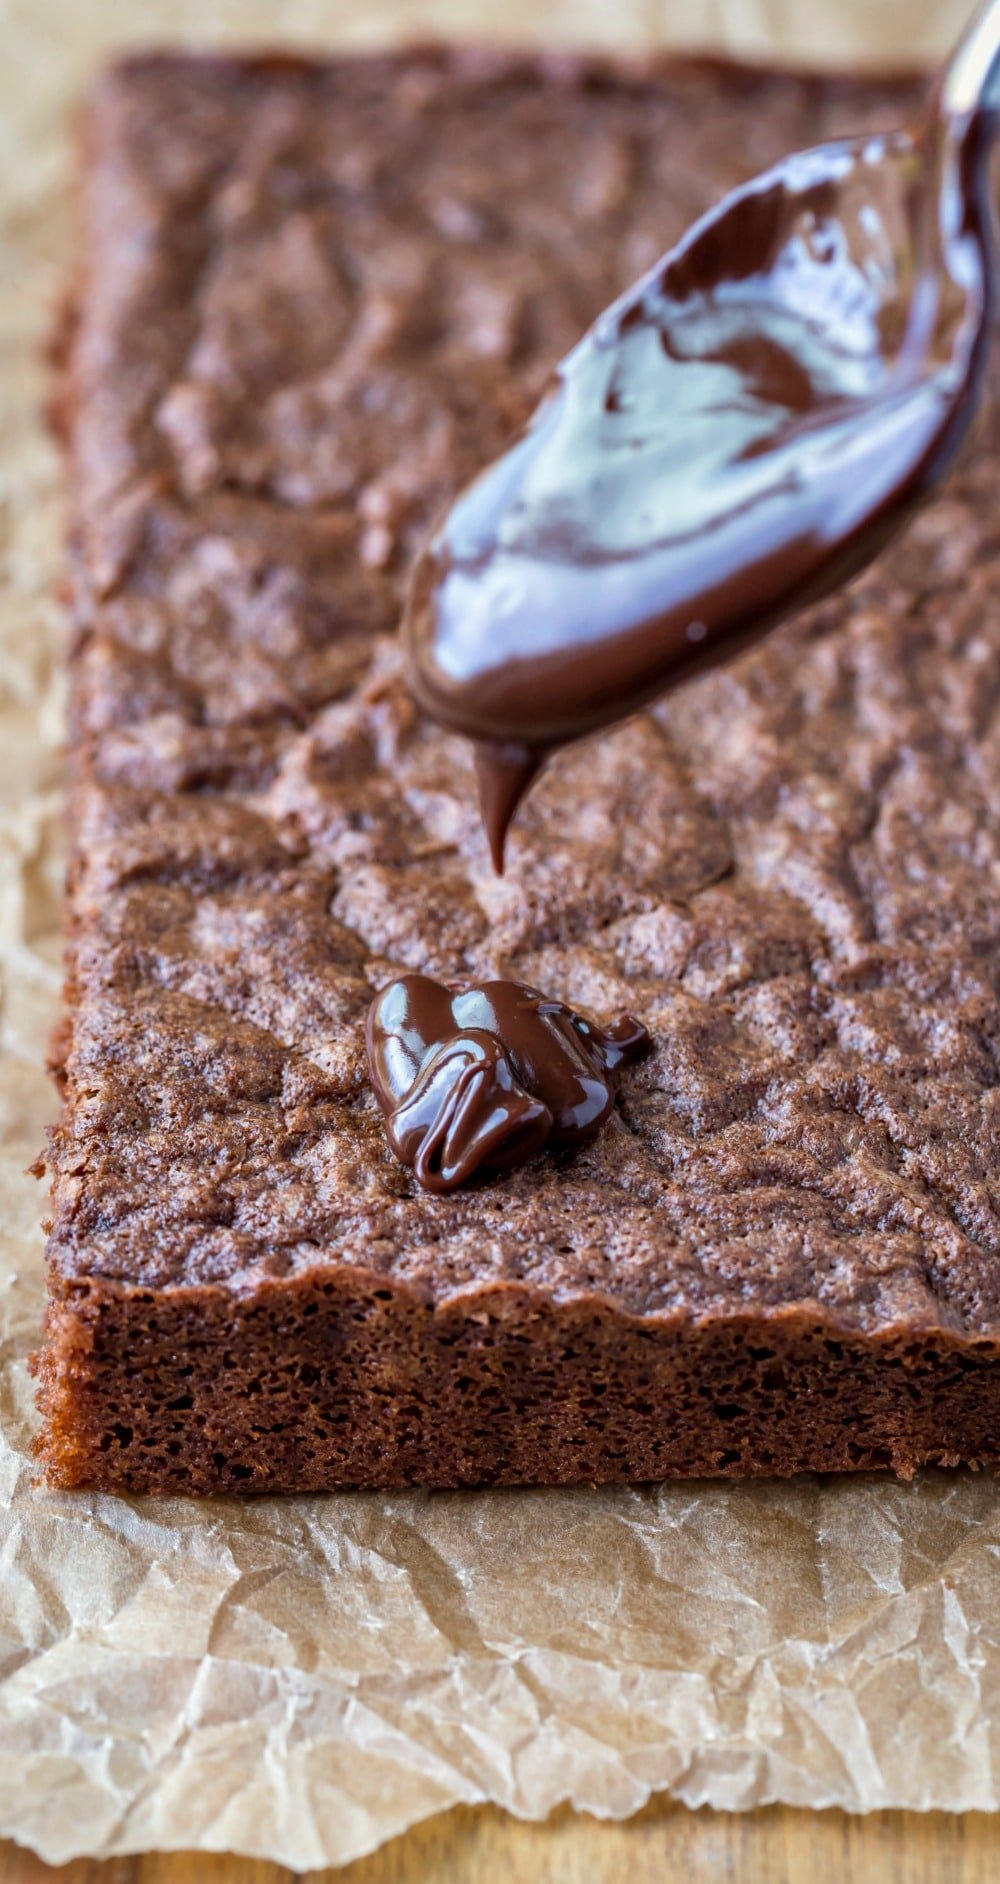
{"x": 663, "y": 1844}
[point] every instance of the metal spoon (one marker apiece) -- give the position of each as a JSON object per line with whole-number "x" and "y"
{"x": 738, "y": 434}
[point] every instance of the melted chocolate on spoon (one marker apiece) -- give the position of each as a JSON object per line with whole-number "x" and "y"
{"x": 482, "y": 1078}
{"x": 737, "y": 435}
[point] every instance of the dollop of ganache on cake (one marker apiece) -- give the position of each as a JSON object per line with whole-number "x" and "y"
{"x": 482, "y": 1077}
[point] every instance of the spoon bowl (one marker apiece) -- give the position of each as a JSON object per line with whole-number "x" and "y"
{"x": 735, "y": 436}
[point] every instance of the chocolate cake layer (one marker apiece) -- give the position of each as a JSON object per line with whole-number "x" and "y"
{"x": 314, "y": 299}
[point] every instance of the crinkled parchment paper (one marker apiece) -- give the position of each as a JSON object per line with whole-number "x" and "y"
{"x": 303, "y": 1678}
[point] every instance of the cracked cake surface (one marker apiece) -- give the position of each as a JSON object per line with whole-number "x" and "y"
{"x": 314, "y": 299}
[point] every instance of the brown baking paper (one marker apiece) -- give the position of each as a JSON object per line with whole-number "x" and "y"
{"x": 303, "y": 1678}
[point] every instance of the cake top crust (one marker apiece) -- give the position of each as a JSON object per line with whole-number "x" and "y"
{"x": 315, "y": 299}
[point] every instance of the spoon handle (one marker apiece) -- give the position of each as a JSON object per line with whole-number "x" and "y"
{"x": 971, "y": 79}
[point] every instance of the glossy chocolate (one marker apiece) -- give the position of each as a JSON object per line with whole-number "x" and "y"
{"x": 737, "y": 435}
{"x": 483, "y": 1077}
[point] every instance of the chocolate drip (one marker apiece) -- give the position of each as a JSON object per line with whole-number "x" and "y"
{"x": 505, "y": 771}
{"x": 737, "y": 435}
{"x": 482, "y": 1077}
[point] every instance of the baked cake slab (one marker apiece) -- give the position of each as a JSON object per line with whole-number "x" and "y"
{"x": 312, "y": 301}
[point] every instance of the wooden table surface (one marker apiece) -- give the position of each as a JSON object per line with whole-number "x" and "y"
{"x": 661, "y": 1845}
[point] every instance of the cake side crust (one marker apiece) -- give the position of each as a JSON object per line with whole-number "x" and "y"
{"x": 335, "y": 1381}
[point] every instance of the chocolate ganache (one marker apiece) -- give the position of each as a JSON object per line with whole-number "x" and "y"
{"x": 734, "y": 437}
{"x": 482, "y": 1077}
